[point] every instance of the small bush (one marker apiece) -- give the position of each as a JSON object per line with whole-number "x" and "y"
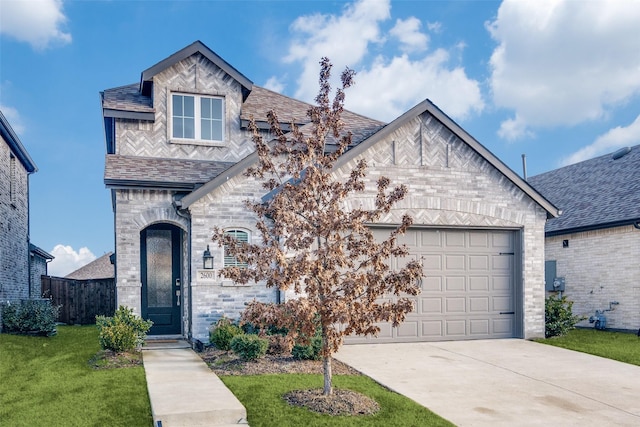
{"x": 32, "y": 317}
{"x": 310, "y": 351}
{"x": 249, "y": 347}
{"x": 124, "y": 331}
{"x": 558, "y": 317}
{"x": 279, "y": 344}
{"x": 223, "y": 332}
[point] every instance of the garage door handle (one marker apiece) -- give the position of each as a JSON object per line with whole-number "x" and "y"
{"x": 507, "y": 253}
{"x": 507, "y": 312}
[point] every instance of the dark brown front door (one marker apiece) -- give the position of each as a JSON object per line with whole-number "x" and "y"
{"x": 160, "y": 249}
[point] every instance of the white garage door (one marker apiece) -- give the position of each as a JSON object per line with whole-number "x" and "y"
{"x": 468, "y": 291}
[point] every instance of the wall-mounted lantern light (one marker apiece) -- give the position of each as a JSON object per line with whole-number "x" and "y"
{"x": 207, "y": 260}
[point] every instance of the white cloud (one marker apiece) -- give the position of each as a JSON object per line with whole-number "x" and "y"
{"x": 344, "y": 39}
{"x": 388, "y": 89}
{"x": 563, "y": 62}
{"x": 391, "y": 83}
{"x": 13, "y": 116}
{"x": 67, "y": 260}
{"x": 37, "y": 22}
{"x": 615, "y": 138}
{"x": 274, "y": 84}
{"x": 408, "y": 33}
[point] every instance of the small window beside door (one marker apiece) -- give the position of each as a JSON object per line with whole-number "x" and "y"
{"x": 230, "y": 260}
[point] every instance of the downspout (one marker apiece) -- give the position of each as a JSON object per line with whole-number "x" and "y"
{"x": 187, "y": 215}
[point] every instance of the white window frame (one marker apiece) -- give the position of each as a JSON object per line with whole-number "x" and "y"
{"x": 231, "y": 261}
{"x": 197, "y": 139}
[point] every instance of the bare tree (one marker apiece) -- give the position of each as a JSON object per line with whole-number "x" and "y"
{"x": 311, "y": 243}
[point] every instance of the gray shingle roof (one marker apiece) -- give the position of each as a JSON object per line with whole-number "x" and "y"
{"x": 127, "y": 98}
{"x": 593, "y": 194}
{"x": 158, "y": 172}
{"x": 100, "y": 268}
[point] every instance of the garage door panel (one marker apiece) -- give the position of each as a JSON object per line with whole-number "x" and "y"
{"x": 456, "y": 328}
{"x": 502, "y": 283}
{"x": 432, "y": 284}
{"x": 502, "y": 304}
{"x": 479, "y": 239}
{"x": 455, "y": 262}
{"x": 430, "y": 239}
{"x": 479, "y": 262}
{"x": 430, "y": 306}
{"x": 454, "y": 240}
{"x": 455, "y": 284}
{"x": 432, "y": 328}
{"x": 503, "y": 327}
{"x": 432, "y": 262}
{"x": 501, "y": 262}
{"x": 408, "y": 329}
{"x": 478, "y": 283}
{"x": 479, "y": 305}
{"x": 502, "y": 240}
{"x": 479, "y": 327}
{"x": 455, "y": 305}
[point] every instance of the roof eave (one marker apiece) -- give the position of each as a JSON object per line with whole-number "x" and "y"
{"x": 124, "y": 114}
{"x": 635, "y": 222}
{"x": 129, "y": 184}
{"x": 10, "y": 136}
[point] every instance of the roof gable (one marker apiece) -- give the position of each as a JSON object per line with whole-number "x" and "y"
{"x": 596, "y": 193}
{"x": 146, "y": 79}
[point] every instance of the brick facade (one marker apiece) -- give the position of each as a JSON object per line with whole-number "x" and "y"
{"x": 600, "y": 267}
{"x": 14, "y": 226}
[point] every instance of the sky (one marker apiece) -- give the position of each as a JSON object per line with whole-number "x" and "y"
{"x": 557, "y": 80}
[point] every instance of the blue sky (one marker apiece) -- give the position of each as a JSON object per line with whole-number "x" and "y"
{"x": 557, "y": 80}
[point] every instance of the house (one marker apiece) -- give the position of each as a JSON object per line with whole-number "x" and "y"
{"x": 21, "y": 263}
{"x": 99, "y": 268}
{"x": 177, "y": 145}
{"x": 594, "y": 246}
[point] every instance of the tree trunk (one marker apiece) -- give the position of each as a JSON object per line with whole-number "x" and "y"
{"x": 326, "y": 364}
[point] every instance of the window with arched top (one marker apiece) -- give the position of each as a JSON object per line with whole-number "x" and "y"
{"x": 240, "y": 236}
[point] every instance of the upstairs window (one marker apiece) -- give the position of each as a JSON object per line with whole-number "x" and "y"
{"x": 230, "y": 260}
{"x": 197, "y": 117}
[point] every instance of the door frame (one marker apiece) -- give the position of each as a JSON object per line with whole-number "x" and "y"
{"x": 174, "y": 327}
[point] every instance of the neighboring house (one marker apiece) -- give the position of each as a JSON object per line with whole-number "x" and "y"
{"x": 38, "y": 267}
{"x": 177, "y": 146}
{"x": 99, "y": 268}
{"x": 18, "y": 277}
{"x": 595, "y": 244}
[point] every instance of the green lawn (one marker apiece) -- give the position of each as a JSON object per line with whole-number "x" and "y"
{"x": 623, "y": 347}
{"x": 48, "y": 381}
{"x": 262, "y": 397}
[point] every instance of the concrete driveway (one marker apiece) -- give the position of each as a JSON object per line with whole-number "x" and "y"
{"x": 507, "y": 382}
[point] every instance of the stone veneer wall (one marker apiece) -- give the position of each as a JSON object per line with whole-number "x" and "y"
{"x": 599, "y": 267}
{"x": 458, "y": 189}
{"x": 14, "y": 228}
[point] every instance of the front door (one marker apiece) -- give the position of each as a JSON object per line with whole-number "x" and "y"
{"x": 160, "y": 249}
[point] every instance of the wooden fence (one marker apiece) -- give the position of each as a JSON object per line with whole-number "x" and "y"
{"x": 80, "y": 300}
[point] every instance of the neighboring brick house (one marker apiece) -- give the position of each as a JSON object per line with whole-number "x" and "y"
{"x": 17, "y": 273}
{"x": 177, "y": 145}
{"x": 595, "y": 244}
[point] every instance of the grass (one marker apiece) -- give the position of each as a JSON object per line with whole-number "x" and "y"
{"x": 48, "y": 381}
{"x": 262, "y": 397}
{"x": 623, "y": 347}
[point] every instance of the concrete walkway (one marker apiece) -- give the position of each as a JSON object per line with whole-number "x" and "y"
{"x": 184, "y": 392}
{"x": 505, "y": 382}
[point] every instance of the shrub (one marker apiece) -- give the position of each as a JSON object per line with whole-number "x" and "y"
{"x": 124, "y": 331}
{"x": 33, "y": 317}
{"x": 310, "y": 351}
{"x": 223, "y": 332}
{"x": 249, "y": 347}
{"x": 279, "y": 344}
{"x": 558, "y": 317}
